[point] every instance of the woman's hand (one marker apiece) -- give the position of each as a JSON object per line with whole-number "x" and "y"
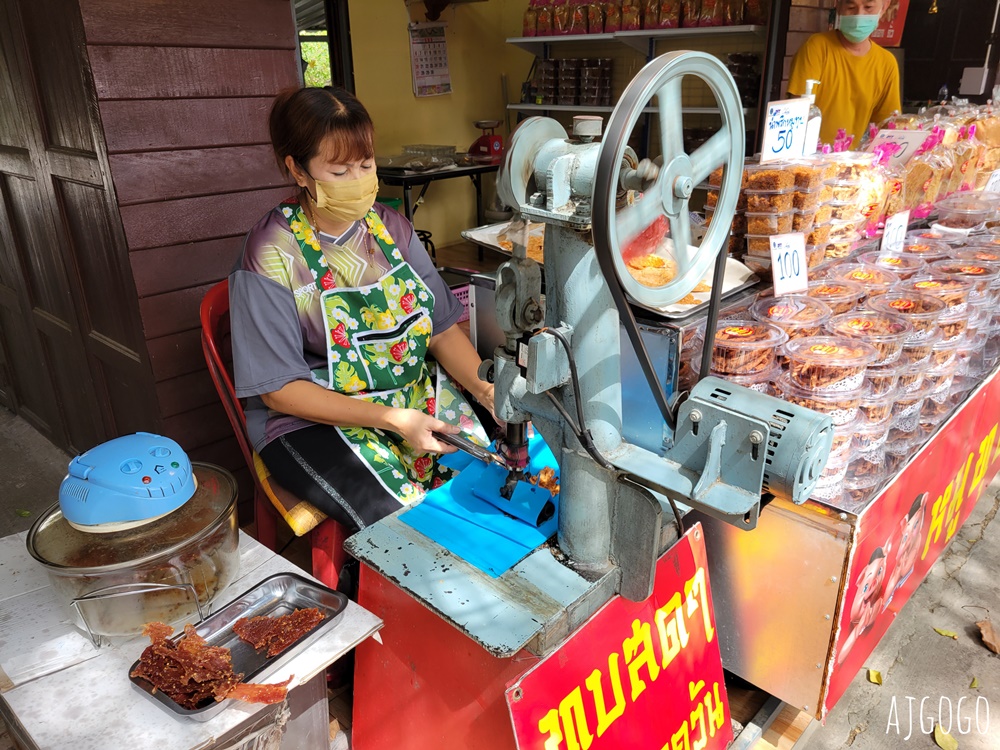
{"x": 485, "y": 397}
{"x": 415, "y": 427}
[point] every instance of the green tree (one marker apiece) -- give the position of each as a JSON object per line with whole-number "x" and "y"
{"x": 317, "y": 55}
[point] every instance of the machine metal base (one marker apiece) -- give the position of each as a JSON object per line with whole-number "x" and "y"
{"x": 533, "y": 606}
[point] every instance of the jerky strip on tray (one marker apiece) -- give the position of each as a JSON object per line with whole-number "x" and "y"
{"x": 277, "y": 633}
{"x": 189, "y": 672}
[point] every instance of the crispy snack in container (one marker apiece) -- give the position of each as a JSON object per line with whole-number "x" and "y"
{"x": 840, "y": 296}
{"x": 831, "y": 363}
{"x": 884, "y": 331}
{"x": 840, "y": 406}
{"x": 922, "y": 310}
{"x": 743, "y": 347}
{"x": 797, "y": 315}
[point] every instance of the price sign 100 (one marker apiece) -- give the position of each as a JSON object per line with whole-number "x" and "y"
{"x": 789, "y": 268}
{"x": 787, "y": 264}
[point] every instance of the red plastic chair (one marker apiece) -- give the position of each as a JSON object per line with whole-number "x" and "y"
{"x": 270, "y": 500}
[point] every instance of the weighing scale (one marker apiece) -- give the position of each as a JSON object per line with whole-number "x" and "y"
{"x": 455, "y": 637}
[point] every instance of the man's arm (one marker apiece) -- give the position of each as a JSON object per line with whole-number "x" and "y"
{"x": 890, "y": 101}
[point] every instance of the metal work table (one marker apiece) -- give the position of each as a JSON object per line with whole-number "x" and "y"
{"x": 408, "y": 180}
{"x": 57, "y": 690}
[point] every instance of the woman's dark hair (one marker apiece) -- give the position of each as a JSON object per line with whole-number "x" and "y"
{"x": 301, "y": 119}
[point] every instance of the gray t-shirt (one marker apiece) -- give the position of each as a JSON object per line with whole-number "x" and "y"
{"x": 278, "y": 334}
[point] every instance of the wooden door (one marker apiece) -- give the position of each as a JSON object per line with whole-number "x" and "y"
{"x": 73, "y": 359}
{"x": 939, "y": 46}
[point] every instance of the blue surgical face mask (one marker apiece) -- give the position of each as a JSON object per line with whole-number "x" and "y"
{"x": 858, "y": 28}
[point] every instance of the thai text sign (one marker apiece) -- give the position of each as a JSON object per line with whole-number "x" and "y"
{"x": 638, "y": 675}
{"x": 890, "y": 28}
{"x": 907, "y": 527}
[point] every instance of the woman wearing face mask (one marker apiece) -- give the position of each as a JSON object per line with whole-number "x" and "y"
{"x": 334, "y": 307}
{"x": 859, "y": 80}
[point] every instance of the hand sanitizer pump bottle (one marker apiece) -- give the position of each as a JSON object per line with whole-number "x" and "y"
{"x": 815, "y": 119}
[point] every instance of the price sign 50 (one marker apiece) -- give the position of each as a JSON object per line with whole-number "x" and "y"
{"x": 788, "y": 263}
{"x": 785, "y": 129}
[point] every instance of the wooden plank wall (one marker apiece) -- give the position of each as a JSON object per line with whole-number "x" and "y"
{"x": 805, "y": 18}
{"x": 184, "y": 88}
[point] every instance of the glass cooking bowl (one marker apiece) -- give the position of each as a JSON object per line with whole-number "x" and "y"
{"x": 112, "y": 584}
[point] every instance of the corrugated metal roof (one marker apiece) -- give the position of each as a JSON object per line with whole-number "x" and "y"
{"x": 310, "y": 14}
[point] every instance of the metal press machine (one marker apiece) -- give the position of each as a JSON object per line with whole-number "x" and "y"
{"x": 455, "y": 636}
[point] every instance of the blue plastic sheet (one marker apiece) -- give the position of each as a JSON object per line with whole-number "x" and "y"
{"x": 464, "y": 515}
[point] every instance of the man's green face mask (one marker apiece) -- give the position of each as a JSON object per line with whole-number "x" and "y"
{"x": 858, "y": 28}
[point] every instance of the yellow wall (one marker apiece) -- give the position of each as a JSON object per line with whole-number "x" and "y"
{"x": 477, "y": 56}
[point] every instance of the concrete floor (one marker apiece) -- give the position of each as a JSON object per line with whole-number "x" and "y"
{"x": 31, "y": 469}
{"x": 914, "y": 660}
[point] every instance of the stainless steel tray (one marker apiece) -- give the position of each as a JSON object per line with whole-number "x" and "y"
{"x": 277, "y": 595}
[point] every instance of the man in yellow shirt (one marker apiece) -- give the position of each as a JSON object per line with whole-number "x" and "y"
{"x": 859, "y": 80}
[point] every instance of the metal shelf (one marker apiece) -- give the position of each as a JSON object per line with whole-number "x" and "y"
{"x": 638, "y": 40}
{"x": 747, "y": 112}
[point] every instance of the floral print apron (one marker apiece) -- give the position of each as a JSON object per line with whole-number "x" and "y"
{"x": 377, "y": 342}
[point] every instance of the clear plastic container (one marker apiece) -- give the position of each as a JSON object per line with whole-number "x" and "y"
{"x": 867, "y": 470}
{"x": 840, "y": 296}
{"x": 922, "y": 236}
{"x": 770, "y": 177}
{"x": 767, "y": 224}
{"x": 841, "y": 230}
{"x": 938, "y": 379}
{"x": 904, "y": 267}
{"x": 829, "y": 363}
{"x": 953, "y": 291}
{"x": 884, "y": 379}
{"x": 846, "y": 211}
{"x": 815, "y": 255}
{"x": 871, "y": 436}
{"x": 984, "y": 254}
{"x": 843, "y": 439}
{"x": 876, "y": 408}
{"x": 875, "y": 280}
{"x": 883, "y": 331}
{"x": 846, "y": 191}
{"x": 840, "y": 249}
{"x": 819, "y": 235}
{"x": 840, "y": 406}
{"x": 830, "y": 484}
{"x": 944, "y": 351}
{"x": 898, "y": 453}
{"x": 979, "y": 318}
{"x": 797, "y": 315}
{"x": 954, "y": 323}
{"x": 824, "y": 212}
{"x": 758, "y": 381}
{"x": 809, "y": 174}
{"x": 935, "y": 412}
{"x": 906, "y": 410}
{"x": 981, "y": 275}
{"x": 810, "y": 200}
{"x": 769, "y": 201}
{"x": 911, "y": 378}
{"x": 922, "y": 310}
{"x": 918, "y": 351}
{"x": 927, "y": 250}
{"x": 743, "y": 347}
{"x": 803, "y": 221}
{"x": 851, "y": 165}
{"x": 963, "y": 211}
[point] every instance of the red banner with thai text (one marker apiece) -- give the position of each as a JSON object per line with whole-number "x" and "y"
{"x": 890, "y": 29}
{"x": 637, "y": 675}
{"x": 907, "y": 527}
